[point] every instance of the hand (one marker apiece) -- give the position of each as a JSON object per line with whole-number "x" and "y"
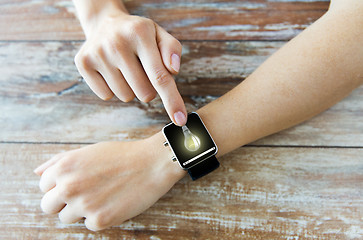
{"x": 107, "y": 183}
{"x": 130, "y": 56}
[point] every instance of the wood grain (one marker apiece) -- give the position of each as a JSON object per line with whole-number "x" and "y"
{"x": 208, "y": 68}
{"x": 186, "y": 20}
{"x": 258, "y": 193}
{"x": 302, "y": 183}
{"x": 43, "y": 99}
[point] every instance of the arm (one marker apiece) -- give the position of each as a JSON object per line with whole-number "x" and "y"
{"x": 128, "y": 56}
{"x": 309, "y": 74}
{"x": 89, "y": 12}
{"x": 306, "y": 76}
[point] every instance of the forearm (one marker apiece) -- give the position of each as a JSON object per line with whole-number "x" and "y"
{"x": 306, "y": 76}
{"x": 90, "y": 11}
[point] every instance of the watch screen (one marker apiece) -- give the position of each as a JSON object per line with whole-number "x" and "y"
{"x": 190, "y": 143}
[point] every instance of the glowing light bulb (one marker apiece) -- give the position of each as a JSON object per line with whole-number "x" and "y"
{"x": 191, "y": 141}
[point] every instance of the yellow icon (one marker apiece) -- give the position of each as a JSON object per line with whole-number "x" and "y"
{"x": 191, "y": 141}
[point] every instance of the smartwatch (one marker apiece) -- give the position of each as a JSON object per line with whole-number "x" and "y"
{"x": 192, "y": 146}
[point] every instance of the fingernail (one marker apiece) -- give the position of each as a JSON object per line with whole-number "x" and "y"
{"x": 175, "y": 62}
{"x": 180, "y": 118}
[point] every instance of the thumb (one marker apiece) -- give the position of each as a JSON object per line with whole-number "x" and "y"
{"x": 170, "y": 49}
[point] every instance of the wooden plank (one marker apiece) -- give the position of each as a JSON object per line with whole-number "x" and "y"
{"x": 275, "y": 193}
{"x": 42, "y": 99}
{"x": 59, "y": 119}
{"x": 208, "y": 68}
{"x": 186, "y": 20}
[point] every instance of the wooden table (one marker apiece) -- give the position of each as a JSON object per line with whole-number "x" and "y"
{"x": 302, "y": 183}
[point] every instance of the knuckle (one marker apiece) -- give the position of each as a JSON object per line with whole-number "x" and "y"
{"x": 62, "y": 218}
{"x": 106, "y": 96}
{"x": 162, "y": 78}
{"x": 46, "y": 205}
{"x": 99, "y": 221}
{"x": 127, "y": 98}
{"x": 103, "y": 220}
{"x": 83, "y": 60}
{"x": 139, "y": 29}
{"x": 114, "y": 44}
{"x": 99, "y": 52}
{"x": 90, "y": 225}
{"x": 68, "y": 189}
{"x": 140, "y": 25}
{"x": 88, "y": 204}
{"x": 43, "y": 183}
{"x": 64, "y": 165}
{"x": 65, "y": 220}
{"x": 84, "y": 202}
{"x": 176, "y": 44}
{"x": 148, "y": 96}
{"x": 43, "y": 205}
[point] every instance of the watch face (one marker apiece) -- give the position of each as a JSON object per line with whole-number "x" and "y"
{"x": 191, "y": 143}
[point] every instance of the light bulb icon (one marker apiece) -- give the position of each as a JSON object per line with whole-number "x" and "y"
{"x": 191, "y": 141}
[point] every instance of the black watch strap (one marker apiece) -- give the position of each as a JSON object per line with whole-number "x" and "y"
{"x": 203, "y": 168}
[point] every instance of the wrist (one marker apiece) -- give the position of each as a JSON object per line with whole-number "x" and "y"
{"x": 163, "y": 157}
{"x": 93, "y": 13}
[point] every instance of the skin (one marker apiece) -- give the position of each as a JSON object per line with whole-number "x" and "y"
{"x": 134, "y": 56}
{"x": 104, "y": 182}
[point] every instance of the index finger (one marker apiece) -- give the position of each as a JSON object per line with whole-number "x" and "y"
{"x": 163, "y": 82}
